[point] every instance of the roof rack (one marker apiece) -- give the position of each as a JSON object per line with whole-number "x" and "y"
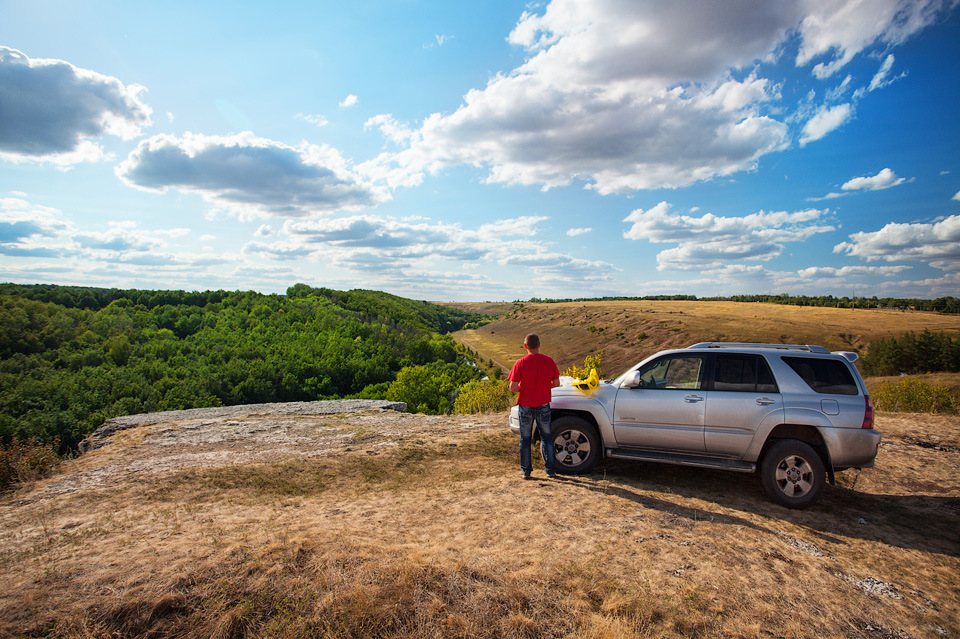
{"x": 784, "y": 347}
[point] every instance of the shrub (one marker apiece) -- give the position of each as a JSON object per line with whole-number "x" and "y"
{"x": 483, "y": 396}
{"x": 915, "y": 396}
{"x": 26, "y": 460}
{"x": 430, "y": 388}
{"x": 589, "y": 362}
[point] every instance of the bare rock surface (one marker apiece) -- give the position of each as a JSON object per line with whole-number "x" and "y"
{"x": 329, "y": 407}
{"x": 138, "y": 447}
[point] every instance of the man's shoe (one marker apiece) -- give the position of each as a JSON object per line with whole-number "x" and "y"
{"x": 525, "y": 475}
{"x": 552, "y": 475}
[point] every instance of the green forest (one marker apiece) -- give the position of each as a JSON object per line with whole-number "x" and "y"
{"x": 71, "y": 357}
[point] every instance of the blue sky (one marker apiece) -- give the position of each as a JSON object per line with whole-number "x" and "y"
{"x": 483, "y": 151}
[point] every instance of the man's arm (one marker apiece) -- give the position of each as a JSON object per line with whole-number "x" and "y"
{"x": 515, "y": 387}
{"x": 555, "y": 382}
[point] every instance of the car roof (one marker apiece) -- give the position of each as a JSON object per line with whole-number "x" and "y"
{"x": 757, "y": 348}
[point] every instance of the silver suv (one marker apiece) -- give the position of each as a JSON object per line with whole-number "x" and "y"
{"x": 798, "y": 414}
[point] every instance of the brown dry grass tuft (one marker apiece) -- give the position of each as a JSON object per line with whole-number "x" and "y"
{"x": 429, "y": 539}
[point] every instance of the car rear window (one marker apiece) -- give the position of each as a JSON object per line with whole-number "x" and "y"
{"x": 828, "y": 376}
{"x": 743, "y": 373}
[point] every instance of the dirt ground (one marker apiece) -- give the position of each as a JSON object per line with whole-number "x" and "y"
{"x": 387, "y": 524}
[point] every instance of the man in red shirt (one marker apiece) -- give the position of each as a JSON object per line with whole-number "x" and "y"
{"x": 533, "y": 376}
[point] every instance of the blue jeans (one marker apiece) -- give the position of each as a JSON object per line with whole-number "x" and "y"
{"x": 540, "y": 415}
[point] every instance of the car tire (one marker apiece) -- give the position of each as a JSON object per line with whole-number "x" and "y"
{"x": 793, "y": 474}
{"x": 576, "y": 445}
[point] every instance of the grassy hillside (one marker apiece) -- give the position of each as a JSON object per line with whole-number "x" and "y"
{"x": 396, "y": 525}
{"x": 628, "y": 331}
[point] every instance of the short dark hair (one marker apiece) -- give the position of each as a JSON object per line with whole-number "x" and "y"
{"x": 532, "y": 340}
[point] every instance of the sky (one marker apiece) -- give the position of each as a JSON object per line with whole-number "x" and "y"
{"x": 483, "y": 151}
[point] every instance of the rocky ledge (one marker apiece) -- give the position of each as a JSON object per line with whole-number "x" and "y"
{"x": 330, "y": 407}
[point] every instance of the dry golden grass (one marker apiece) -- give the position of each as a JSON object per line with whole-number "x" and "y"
{"x": 413, "y": 526}
{"x": 628, "y": 331}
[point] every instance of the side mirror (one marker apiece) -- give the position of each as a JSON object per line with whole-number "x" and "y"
{"x": 632, "y": 380}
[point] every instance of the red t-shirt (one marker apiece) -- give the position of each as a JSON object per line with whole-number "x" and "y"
{"x": 534, "y": 373}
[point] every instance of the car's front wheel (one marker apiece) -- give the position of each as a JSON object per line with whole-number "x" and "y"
{"x": 576, "y": 445}
{"x": 793, "y": 474}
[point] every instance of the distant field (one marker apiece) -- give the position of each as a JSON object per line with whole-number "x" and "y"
{"x": 628, "y": 331}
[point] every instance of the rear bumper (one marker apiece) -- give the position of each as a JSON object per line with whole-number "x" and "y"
{"x": 854, "y": 448}
{"x": 515, "y": 420}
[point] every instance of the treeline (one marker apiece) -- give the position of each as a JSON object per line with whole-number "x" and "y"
{"x": 940, "y": 305}
{"x": 913, "y": 353}
{"x": 71, "y": 357}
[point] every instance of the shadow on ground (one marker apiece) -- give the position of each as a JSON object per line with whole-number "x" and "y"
{"x": 928, "y": 523}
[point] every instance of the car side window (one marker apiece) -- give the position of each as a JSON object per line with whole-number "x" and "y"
{"x": 743, "y": 373}
{"x": 673, "y": 373}
{"x": 828, "y": 376}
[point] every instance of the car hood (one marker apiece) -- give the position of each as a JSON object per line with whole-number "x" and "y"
{"x": 572, "y": 391}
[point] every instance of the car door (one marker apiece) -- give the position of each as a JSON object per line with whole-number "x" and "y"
{"x": 743, "y": 394}
{"x": 666, "y": 412}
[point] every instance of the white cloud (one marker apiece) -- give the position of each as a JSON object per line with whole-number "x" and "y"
{"x": 937, "y": 244}
{"x": 277, "y": 251}
{"x": 882, "y": 78}
{"x": 825, "y": 120}
{"x": 828, "y": 196}
{"x": 576, "y": 232}
{"x": 50, "y": 248}
{"x": 36, "y": 233}
{"x": 836, "y": 94}
{"x": 957, "y": 196}
{"x": 265, "y": 230}
{"x": 839, "y": 31}
{"x": 390, "y": 127}
{"x": 604, "y": 41}
{"x": 885, "y": 179}
{"x": 314, "y": 118}
{"x": 439, "y": 41}
{"x": 616, "y": 95}
{"x": 120, "y": 238}
{"x": 845, "y": 272}
{"x": 349, "y": 101}
{"x": 30, "y": 230}
{"x": 732, "y": 95}
{"x": 530, "y": 133}
{"x": 367, "y": 243}
{"x": 250, "y": 176}
{"x": 606, "y": 97}
{"x": 54, "y": 112}
{"x": 709, "y": 241}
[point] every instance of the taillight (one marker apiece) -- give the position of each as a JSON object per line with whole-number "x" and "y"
{"x": 868, "y": 413}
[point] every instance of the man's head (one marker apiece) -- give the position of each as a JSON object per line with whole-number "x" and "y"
{"x": 532, "y": 341}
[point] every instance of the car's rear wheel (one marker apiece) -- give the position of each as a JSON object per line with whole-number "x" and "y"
{"x": 576, "y": 445}
{"x": 793, "y": 474}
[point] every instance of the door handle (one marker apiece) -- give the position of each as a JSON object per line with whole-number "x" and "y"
{"x": 765, "y": 401}
{"x": 691, "y": 399}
